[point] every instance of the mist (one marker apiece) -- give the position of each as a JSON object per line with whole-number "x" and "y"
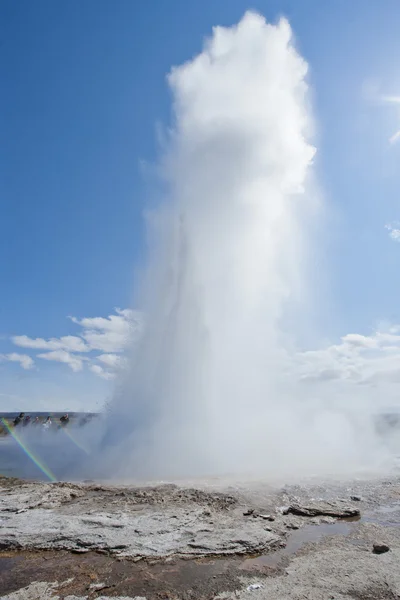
{"x": 216, "y": 383}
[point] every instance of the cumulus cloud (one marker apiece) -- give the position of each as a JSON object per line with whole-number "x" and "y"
{"x": 62, "y": 356}
{"x": 100, "y": 372}
{"x": 107, "y": 335}
{"x": 24, "y": 360}
{"x": 357, "y": 359}
{"x": 394, "y": 230}
{"x": 69, "y": 343}
{"x": 111, "y": 360}
{"x": 111, "y": 334}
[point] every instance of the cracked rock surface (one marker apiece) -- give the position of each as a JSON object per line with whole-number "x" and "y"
{"x": 146, "y": 522}
{"x": 322, "y": 540}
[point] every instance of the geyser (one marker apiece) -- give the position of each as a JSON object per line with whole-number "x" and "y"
{"x": 211, "y": 385}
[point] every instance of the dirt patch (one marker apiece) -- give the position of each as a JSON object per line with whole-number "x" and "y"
{"x": 96, "y": 575}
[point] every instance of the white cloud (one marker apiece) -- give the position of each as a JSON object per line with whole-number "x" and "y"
{"x": 111, "y": 334}
{"x": 111, "y": 360}
{"x": 74, "y": 362}
{"x": 359, "y": 341}
{"x": 111, "y": 363}
{"x": 394, "y": 231}
{"x": 357, "y": 359}
{"x": 24, "y": 360}
{"x": 100, "y": 372}
{"x": 70, "y": 343}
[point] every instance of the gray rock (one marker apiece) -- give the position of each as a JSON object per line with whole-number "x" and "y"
{"x": 380, "y": 548}
{"x": 328, "y": 509}
{"x": 96, "y": 522}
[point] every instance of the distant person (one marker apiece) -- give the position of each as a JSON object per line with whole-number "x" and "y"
{"x": 18, "y": 419}
{"x": 47, "y": 424}
{"x": 64, "y": 420}
{"x": 26, "y": 421}
{"x": 36, "y": 421}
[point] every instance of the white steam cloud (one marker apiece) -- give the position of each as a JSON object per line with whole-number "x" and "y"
{"x": 213, "y": 384}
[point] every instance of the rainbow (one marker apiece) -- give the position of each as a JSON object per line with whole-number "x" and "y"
{"x": 73, "y": 439}
{"x": 28, "y": 452}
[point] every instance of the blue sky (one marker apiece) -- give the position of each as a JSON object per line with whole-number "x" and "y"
{"x": 83, "y": 91}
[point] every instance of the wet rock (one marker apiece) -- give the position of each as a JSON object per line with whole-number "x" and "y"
{"x": 380, "y": 548}
{"x": 327, "y": 509}
{"x": 283, "y": 510}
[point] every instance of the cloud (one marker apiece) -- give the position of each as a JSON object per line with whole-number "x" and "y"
{"x": 74, "y": 362}
{"x": 111, "y": 334}
{"x": 358, "y": 341}
{"x": 358, "y": 359}
{"x": 111, "y": 360}
{"x": 108, "y": 335}
{"x": 394, "y": 231}
{"x": 100, "y": 372}
{"x": 70, "y": 343}
{"x": 24, "y": 360}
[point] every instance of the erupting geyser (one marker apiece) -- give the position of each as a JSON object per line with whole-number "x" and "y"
{"x": 210, "y": 385}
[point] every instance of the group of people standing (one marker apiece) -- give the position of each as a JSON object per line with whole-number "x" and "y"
{"x": 23, "y": 420}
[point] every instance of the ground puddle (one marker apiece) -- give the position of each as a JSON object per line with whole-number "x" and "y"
{"x": 298, "y": 539}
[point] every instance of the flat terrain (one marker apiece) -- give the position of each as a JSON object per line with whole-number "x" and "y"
{"x": 211, "y": 540}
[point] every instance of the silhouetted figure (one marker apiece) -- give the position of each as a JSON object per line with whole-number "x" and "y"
{"x": 18, "y": 419}
{"x": 64, "y": 420}
{"x": 26, "y": 421}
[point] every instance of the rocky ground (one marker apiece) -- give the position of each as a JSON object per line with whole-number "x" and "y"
{"x": 319, "y": 541}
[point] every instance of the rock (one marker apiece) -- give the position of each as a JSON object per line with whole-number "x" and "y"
{"x": 254, "y": 586}
{"x": 97, "y": 586}
{"x": 267, "y": 517}
{"x": 292, "y": 526}
{"x": 326, "y": 520}
{"x": 328, "y": 509}
{"x": 380, "y": 548}
{"x": 356, "y": 498}
{"x": 248, "y": 512}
